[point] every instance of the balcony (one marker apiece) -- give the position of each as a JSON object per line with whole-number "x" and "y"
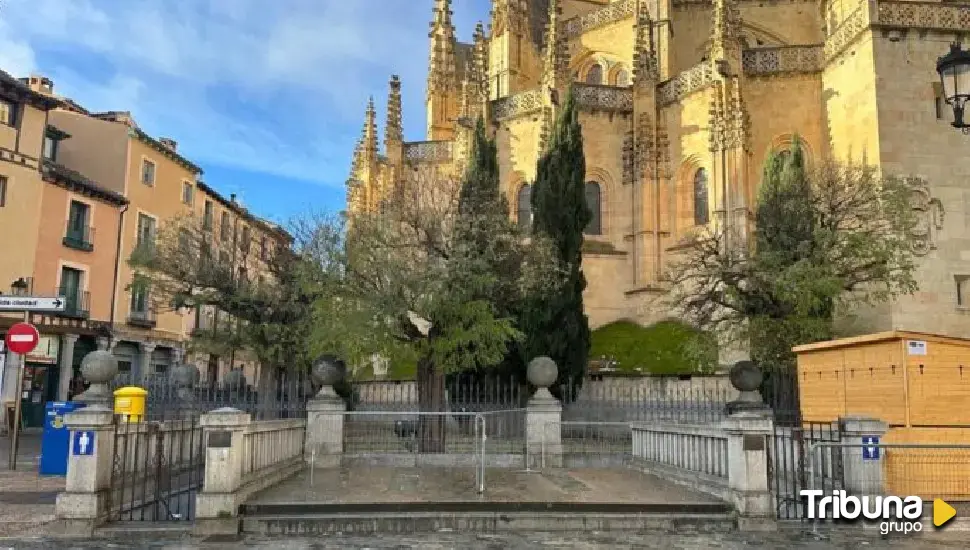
{"x": 142, "y": 319}
{"x": 77, "y": 303}
{"x": 79, "y": 238}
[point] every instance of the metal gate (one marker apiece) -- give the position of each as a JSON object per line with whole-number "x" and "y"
{"x": 790, "y": 459}
{"x": 158, "y": 468}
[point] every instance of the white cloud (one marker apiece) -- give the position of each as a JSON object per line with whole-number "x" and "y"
{"x": 274, "y": 87}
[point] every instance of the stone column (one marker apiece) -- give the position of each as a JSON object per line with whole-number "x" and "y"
{"x": 83, "y": 505}
{"x": 543, "y": 417}
{"x": 216, "y": 505}
{"x": 66, "y": 365}
{"x": 144, "y": 367}
{"x": 748, "y": 439}
{"x": 98, "y": 368}
{"x": 324, "y": 445}
{"x": 862, "y": 465}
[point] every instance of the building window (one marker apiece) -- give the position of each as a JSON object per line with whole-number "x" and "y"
{"x": 50, "y": 148}
{"x": 8, "y": 113}
{"x": 78, "y": 234}
{"x": 187, "y": 190}
{"x": 524, "y": 201}
{"x": 146, "y": 231}
{"x": 701, "y": 206}
{"x": 148, "y": 172}
{"x": 70, "y": 289}
{"x": 3, "y": 190}
{"x": 262, "y": 249}
{"x": 622, "y": 78}
{"x": 963, "y": 290}
{"x": 593, "y": 202}
{"x": 224, "y": 227}
{"x": 244, "y": 243}
{"x": 207, "y": 216}
{"x": 139, "y": 295}
{"x": 595, "y": 74}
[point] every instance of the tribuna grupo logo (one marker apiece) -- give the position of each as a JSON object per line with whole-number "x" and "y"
{"x": 896, "y": 514}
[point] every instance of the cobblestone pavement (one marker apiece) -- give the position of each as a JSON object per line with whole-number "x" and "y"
{"x": 787, "y": 538}
{"x": 26, "y": 499}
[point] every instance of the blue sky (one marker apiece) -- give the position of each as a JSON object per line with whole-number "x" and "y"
{"x": 267, "y": 96}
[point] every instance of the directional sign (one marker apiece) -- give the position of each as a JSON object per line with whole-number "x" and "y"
{"x": 22, "y": 338}
{"x": 870, "y": 447}
{"x": 31, "y": 303}
{"x": 83, "y": 444}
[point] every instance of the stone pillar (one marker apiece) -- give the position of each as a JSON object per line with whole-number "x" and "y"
{"x": 543, "y": 417}
{"x": 98, "y": 368}
{"x": 863, "y": 475}
{"x": 144, "y": 366}
{"x": 216, "y": 505}
{"x": 324, "y": 444}
{"x": 66, "y": 365}
{"x": 749, "y": 435}
{"x": 83, "y": 505}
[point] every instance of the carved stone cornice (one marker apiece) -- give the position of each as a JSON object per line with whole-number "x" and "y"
{"x": 783, "y": 60}
{"x": 617, "y": 11}
{"x": 696, "y": 78}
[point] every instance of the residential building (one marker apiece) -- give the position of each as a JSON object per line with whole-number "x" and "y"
{"x": 680, "y": 103}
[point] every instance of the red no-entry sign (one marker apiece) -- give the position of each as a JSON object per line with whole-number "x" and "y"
{"x": 22, "y": 338}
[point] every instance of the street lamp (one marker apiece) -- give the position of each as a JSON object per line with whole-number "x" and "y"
{"x": 19, "y": 287}
{"x": 954, "y": 69}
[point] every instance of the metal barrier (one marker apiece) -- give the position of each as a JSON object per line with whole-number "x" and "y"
{"x": 928, "y": 471}
{"x": 441, "y": 439}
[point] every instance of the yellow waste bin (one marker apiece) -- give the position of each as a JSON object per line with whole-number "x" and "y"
{"x": 130, "y": 403}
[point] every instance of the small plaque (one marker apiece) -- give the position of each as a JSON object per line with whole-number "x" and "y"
{"x": 220, "y": 440}
{"x": 753, "y": 443}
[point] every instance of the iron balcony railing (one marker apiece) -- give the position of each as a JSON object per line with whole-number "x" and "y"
{"x": 79, "y": 238}
{"x": 77, "y": 303}
{"x": 145, "y": 319}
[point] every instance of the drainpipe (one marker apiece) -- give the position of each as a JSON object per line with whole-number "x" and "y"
{"x": 114, "y": 285}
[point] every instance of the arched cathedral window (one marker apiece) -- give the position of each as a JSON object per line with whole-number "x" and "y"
{"x": 622, "y": 78}
{"x": 595, "y": 74}
{"x": 594, "y": 203}
{"x": 524, "y": 203}
{"x": 701, "y": 205}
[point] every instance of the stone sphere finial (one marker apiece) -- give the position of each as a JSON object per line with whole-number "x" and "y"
{"x": 745, "y": 376}
{"x": 542, "y": 372}
{"x": 328, "y": 370}
{"x": 99, "y": 367}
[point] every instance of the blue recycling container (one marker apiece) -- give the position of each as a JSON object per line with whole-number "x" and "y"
{"x": 55, "y": 443}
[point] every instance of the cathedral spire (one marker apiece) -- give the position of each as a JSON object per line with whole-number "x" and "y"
{"x": 441, "y": 66}
{"x": 645, "y": 67}
{"x": 393, "y": 130}
{"x": 555, "y": 60}
{"x": 369, "y": 138}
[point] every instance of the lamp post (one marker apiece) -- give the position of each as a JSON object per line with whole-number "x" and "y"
{"x": 954, "y": 70}
{"x": 20, "y": 287}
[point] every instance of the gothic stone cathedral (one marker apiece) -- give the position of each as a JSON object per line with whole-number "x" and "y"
{"x": 681, "y": 100}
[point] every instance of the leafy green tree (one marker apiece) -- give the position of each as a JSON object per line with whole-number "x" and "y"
{"x": 556, "y": 324}
{"x": 826, "y": 241}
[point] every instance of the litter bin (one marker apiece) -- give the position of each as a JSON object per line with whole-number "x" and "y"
{"x": 55, "y": 442}
{"x": 130, "y": 403}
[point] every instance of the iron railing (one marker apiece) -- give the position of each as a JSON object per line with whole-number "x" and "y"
{"x": 144, "y": 318}
{"x": 79, "y": 238}
{"x": 77, "y": 303}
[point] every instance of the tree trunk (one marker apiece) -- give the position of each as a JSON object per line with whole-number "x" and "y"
{"x": 431, "y": 398}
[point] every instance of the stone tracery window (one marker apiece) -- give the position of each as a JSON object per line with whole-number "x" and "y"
{"x": 622, "y": 78}
{"x": 524, "y": 204}
{"x": 594, "y": 203}
{"x": 701, "y": 204}
{"x": 595, "y": 74}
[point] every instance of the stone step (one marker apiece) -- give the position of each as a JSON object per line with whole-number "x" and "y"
{"x": 489, "y": 517}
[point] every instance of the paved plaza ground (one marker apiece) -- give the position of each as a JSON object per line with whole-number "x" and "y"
{"x": 372, "y": 484}
{"x": 788, "y": 539}
{"x": 26, "y": 499}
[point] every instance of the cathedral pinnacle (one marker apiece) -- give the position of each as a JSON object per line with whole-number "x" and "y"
{"x": 369, "y": 139}
{"x": 441, "y": 63}
{"x": 556, "y": 60}
{"x": 393, "y": 130}
{"x": 726, "y": 31}
{"x": 645, "y": 67}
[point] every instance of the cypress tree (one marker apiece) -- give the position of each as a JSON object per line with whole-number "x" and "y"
{"x": 480, "y": 191}
{"x": 556, "y": 326}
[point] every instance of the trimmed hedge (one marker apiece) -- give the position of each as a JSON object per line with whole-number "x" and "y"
{"x": 667, "y": 347}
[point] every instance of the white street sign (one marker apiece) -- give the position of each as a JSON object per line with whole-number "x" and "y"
{"x": 31, "y": 303}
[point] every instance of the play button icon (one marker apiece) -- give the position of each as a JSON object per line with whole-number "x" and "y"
{"x": 942, "y": 512}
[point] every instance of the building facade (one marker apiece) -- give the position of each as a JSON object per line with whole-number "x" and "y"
{"x": 680, "y": 103}
{"x": 82, "y": 192}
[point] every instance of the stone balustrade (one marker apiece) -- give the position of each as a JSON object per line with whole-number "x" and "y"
{"x": 428, "y": 151}
{"x": 694, "y": 454}
{"x": 616, "y": 11}
{"x": 269, "y": 444}
{"x": 602, "y": 97}
{"x": 517, "y": 104}
{"x": 783, "y": 60}
{"x": 696, "y": 78}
